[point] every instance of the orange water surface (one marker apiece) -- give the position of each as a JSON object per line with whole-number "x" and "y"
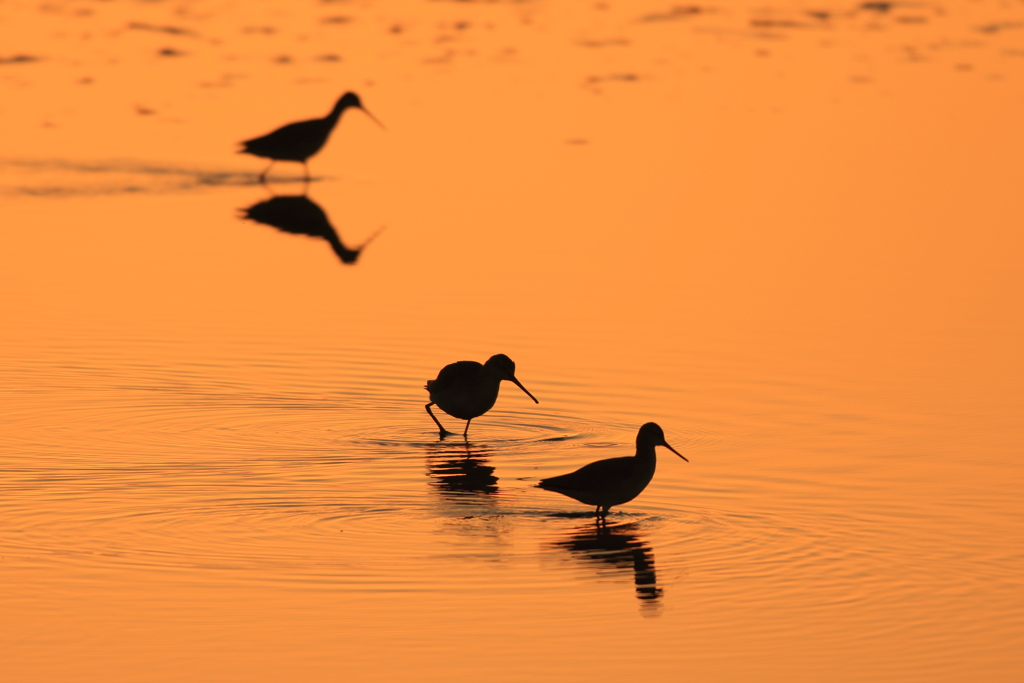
{"x": 791, "y": 234}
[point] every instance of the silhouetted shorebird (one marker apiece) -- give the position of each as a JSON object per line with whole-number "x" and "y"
{"x": 300, "y": 215}
{"x": 467, "y": 389}
{"x": 616, "y": 480}
{"x": 299, "y": 141}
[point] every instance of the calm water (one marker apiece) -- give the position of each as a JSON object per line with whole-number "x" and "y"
{"x": 789, "y": 234}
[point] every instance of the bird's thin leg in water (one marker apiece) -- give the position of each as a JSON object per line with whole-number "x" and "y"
{"x": 466, "y": 431}
{"x": 444, "y": 432}
{"x": 263, "y": 176}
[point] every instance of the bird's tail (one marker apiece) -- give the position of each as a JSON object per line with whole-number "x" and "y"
{"x": 427, "y": 385}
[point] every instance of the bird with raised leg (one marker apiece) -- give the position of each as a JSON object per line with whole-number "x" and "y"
{"x": 299, "y": 141}
{"x": 616, "y": 480}
{"x": 467, "y": 389}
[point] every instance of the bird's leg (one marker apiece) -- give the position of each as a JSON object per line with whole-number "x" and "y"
{"x": 444, "y": 432}
{"x": 466, "y": 431}
{"x": 263, "y": 176}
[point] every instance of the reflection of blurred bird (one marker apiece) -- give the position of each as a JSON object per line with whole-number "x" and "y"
{"x": 617, "y": 547}
{"x": 617, "y": 480}
{"x": 302, "y": 216}
{"x": 467, "y": 389}
{"x": 299, "y": 141}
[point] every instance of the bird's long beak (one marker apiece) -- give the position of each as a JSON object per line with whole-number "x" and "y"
{"x": 520, "y": 385}
{"x": 675, "y": 451}
{"x": 372, "y": 237}
{"x": 374, "y": 118}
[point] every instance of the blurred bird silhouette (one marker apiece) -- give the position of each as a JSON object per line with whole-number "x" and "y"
{"x": 616, "y": 480}
{"x": 299, "y": 141}
{"x": 300, "y": 215}
{"x": 467, "y": 389}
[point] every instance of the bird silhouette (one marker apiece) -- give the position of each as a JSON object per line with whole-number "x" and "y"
{"x": 616, "y": 480}
{"x": 300, "y": 215}
{"x": 299, "y": 141}
{"x": 467, "y": 389}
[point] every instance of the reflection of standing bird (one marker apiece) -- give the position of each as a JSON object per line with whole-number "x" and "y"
{"x": 300, "y": 215}
{"x": 619, "y": 547}
{"x": 467, "y": 389}
{"x": 617, "y": 480}
{"x": 299, "y": 141}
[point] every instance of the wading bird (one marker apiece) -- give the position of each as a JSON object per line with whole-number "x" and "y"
{"x": 616, "y": 480}
{"x": 467, "y": 389}
{"x": 299, "y": 141}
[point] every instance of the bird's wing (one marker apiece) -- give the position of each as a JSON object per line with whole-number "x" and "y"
{"x": 284, "y": 134}
{"x": 459, "y": 371}
{"x": 593, "y": 476}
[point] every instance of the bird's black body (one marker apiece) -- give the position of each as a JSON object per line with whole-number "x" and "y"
{"x": 464, "y": 389}
{"x": 299, "y": 141}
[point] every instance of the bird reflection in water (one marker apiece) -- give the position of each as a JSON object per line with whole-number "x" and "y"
{"x": 300, "y": 215}
{"x": 599, "y": 545}
{"x": 459, "y": 470}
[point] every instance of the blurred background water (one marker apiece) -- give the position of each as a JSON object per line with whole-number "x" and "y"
{"x": 790, "y": 234}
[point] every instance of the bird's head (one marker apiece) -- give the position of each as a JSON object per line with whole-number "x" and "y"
{"x": 653, "y": 434}
{"x": 350, "y": 99}
{"x": 503, "y": 367}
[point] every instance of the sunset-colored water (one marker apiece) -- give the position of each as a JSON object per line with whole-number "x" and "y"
{"x": 791, "y": 234}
